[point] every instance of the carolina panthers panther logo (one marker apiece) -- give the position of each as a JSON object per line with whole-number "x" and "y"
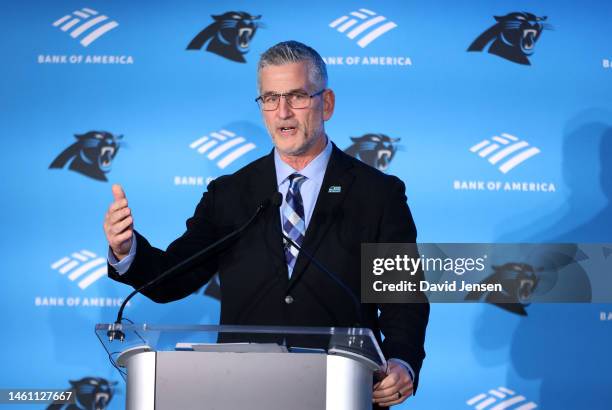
{"x": 91, "y": 155}
{"x": 513, "y": 37}
{"x": 376, "y": 150}
{"x": 519, "y": 281}
{"x": 551, "y": 273}
{"x": 230, "y": 35}
{"x": 90, "y": 393}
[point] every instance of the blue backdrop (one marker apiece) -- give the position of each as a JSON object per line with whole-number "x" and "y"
{"x": 509, "y": 143}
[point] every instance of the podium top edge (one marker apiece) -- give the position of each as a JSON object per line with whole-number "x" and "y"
{"x": 300, "y": 330}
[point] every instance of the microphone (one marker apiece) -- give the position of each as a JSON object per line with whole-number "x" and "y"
{"x": 115, "y": 333}
{"x": 276, "y": 201}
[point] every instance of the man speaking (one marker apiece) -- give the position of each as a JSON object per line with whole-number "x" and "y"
{"x": 331, "y": 204}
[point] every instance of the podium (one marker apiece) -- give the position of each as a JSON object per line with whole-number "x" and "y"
{"x": 244, "y": 367}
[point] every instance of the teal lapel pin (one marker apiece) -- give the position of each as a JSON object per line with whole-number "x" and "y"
{"x": 334, "y": 189}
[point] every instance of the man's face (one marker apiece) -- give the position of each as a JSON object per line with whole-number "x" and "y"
{"x": 295, "y": 132}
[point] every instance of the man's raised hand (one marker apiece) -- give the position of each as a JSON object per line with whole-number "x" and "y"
{"x": 119, "y": 224}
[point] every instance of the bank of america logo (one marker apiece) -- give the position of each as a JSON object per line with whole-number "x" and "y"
{"x": 223, "y": 147}
{"x": 362, "y": 25}
{"x": 83, "y": 266}
{"x": 506, "y": 150}
{"x": 501, "y": 398}
{"x": 86, "y": 24}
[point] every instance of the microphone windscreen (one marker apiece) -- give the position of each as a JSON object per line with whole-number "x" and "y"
{"x": 277, "y": 199}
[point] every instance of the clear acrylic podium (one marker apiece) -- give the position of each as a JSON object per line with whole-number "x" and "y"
{"x": 245, "y": 367}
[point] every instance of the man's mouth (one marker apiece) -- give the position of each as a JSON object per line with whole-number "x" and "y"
{"x": 287, "y": 130}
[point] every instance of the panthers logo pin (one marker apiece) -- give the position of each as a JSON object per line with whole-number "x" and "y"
{"x": 91, "y": 393}
{"x": 513, "y": 37}
{"x": 229, "y": 35}
{"x": 376, "y": 150}
{"x": 91, "y": 155}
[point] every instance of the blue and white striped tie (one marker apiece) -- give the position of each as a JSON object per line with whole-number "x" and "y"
{"x": 294, "y": 225}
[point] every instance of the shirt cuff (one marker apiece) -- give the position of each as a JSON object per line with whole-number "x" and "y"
{"x": 406, "y": 365}
{"x": 122, "y": 266}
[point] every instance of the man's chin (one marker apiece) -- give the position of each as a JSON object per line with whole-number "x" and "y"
{"x": 286, "y": 148}
{"x": 291, "y": 151}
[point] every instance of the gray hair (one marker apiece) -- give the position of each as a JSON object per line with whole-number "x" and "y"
{"x": 289, "y": 52}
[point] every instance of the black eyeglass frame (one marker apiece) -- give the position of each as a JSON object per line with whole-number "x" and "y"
{"x": 260, "y": 103}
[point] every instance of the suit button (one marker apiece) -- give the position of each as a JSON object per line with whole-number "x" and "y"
{"x": 288, "y": 299}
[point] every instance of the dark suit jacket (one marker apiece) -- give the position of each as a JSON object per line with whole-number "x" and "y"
{"x": 371, "y": 207}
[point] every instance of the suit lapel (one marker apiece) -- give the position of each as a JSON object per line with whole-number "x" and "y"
{"x": 336, "y": 184}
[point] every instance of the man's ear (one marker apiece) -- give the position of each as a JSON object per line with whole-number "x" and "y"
{"x": 329, "y": 102}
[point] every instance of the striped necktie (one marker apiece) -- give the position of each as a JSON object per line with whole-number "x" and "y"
{"x": 294, "y": 225}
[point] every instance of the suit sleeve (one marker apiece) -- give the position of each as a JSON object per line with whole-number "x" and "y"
{"x": 150, "y": 262}
{"x": 402, "y": 324}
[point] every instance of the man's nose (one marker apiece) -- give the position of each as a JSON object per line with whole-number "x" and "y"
{"x": 284, "y": 109}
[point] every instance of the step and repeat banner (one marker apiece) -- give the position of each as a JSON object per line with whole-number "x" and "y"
{"x": 496, "y": 115}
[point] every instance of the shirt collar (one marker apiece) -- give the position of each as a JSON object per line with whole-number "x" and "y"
{"x": 314, "y": 170}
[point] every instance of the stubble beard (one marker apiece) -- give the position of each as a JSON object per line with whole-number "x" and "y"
{"x": 305, "y": 147}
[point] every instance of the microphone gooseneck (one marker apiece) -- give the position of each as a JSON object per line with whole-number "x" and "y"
{"x": 115, "y": 333}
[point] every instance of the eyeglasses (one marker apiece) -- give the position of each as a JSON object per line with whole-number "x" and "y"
{"x": 295, "y": 99}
